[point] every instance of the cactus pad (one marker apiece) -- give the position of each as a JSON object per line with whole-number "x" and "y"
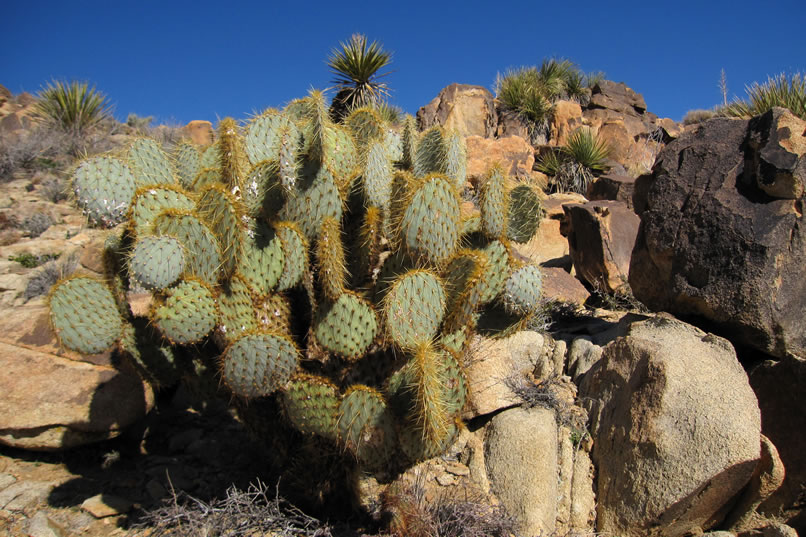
{"x": 525, "y": 213}
{"x": 366, "y": 426}
{"x": 188, "y": 312}
{"x": 522, "y": 289}
{"x": 236, "y": 310}
{"x": 255, "y": 365}
{"x": 317, "y": 198}
{"x": 414, "y": 307}
{"x": 149, "y": 163}
{"x": 430, "y": 223}
{"x": 312, "y": 405}
{"x": 201, "y": 247}
{"x": 104, "y": 189}
{"x": 261, "y": 263}
{"x": 157, "y": 261}
{"x": 222, "y": 213}
{"x": 149, "y": 202}
{"x": 347, "y": 326}
{"x": 378, "y": 175}
{"x": 187, "y": 160}
{"x": 295, "y": 254}
{"x": 493, "y": 204}
{"x": 84, "y": 315}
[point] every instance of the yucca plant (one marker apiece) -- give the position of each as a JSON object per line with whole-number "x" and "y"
{"x": 780, "y": 90}
{"x": 572, "y": 168}
{"x": 356, "y": 65}
{"x": 586, "y": 148}
{"x": 73, "y": 106}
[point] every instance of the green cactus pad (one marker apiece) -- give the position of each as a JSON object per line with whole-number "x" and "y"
{"x": 188, "y": 312}
{"x": 493, "y": 203}
{"x": 341, "y": 157}
{"x": 261, "y": 263}
{"x": 104, "y": 188}
{"x": 84, "y": 315}
{"x": 222, "y": 213}
{"x": 263, "y": 195}
{"x": 378, "y": 175}
{"x": 393, "y": 141}
{"x": 236, "y": 310}
{"x": 330, "y": 258}
{"x": 464, "y": 277}
{"x": 209, "y": 157}
{"x": 366, "y": 426}
{"x": 525, "y": 213}
{"x": 454, "y": 342}
{"x": 522, "y": 290}
{"x": 431, "y": 150}
{"x": 149, "y": 163}
{"x": 456, "y": 158}
{"x": 201, "y": 247}
{"x": 430, "y": 222}
{"x": 205, "y": 178}
{"x": 317, "y": 198}
{"x": 311, "y": 404}
{"x": 256, "y": 365}
{"x": 295, "y": 254}
{"x": 149, "y": 202}
{"x": 156, "y": 262}
{"x": 417, "y": 449}
{"x": 497, "y": 271}
{"x": 273, "y": 314}
{"x": 366, "y": 126}
{"x": 187, "y": 161}
{"x": 346, "y": 327}
{"x": 409, "y": 139}
{"x": 414, "y": 307}
{"x": 265, "y": 133}
{"x": 232, "y": 160}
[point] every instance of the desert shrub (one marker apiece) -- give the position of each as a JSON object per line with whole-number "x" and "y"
{"x": 355, "y": 65}
{"x": 530, "y": 92}
{"x": 139, "y": 123}
{"x": 36, "y": 224}
{"x": 53, "y": 189}
{"x": 698, "y": 116}
{"x": 51, "y": 272}
{"x": 29, "y": 260}
{"x": 241, "y": 513}
{"x": 30, "y": 149}
{"x": 407, "y": 513}
{"x": 780, "y": 90}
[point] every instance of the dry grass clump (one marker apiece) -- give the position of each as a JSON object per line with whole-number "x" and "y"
{"x": 407, "y": 513}
{"x": 249, "y": 513}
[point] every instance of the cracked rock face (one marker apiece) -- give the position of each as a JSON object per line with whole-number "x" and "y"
{"x": 721, "y": 236}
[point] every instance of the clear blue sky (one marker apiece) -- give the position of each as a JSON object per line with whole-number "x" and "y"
{"x": 179, "y": 61}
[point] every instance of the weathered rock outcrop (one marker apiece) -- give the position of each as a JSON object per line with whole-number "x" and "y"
{"x": 601, "y": 236}
{"x": 779, "y": 387}
{"x": 54, "y": 400}
{"x": 676, "y": 429}
{"x": 612, "y": 187}
{"x": 515, "y": 155}
{"x": 714, "y": 244}
{"x": 466, "y": 108}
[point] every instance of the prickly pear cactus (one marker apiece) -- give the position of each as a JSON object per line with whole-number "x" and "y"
{"x": 326, "y": 270}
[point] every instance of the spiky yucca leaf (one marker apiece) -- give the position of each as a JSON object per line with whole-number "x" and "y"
{"x": 355, "y": 65}
{"x": 74, "y": 106}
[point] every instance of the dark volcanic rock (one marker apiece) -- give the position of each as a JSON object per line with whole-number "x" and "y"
{"x": 601, "y": 236}
{"x": 714, "y": 244}
{"x": 617, "y": 96}
{"x": 612, "y": 187}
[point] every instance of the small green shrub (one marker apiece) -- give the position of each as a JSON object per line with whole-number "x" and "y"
{"x": 139, "y": 123}
{"x": 30, "y": 149}
{"x": 29, "y": 260}
{"x": 51, "y": 272}
{"x": 780, "y": 90}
